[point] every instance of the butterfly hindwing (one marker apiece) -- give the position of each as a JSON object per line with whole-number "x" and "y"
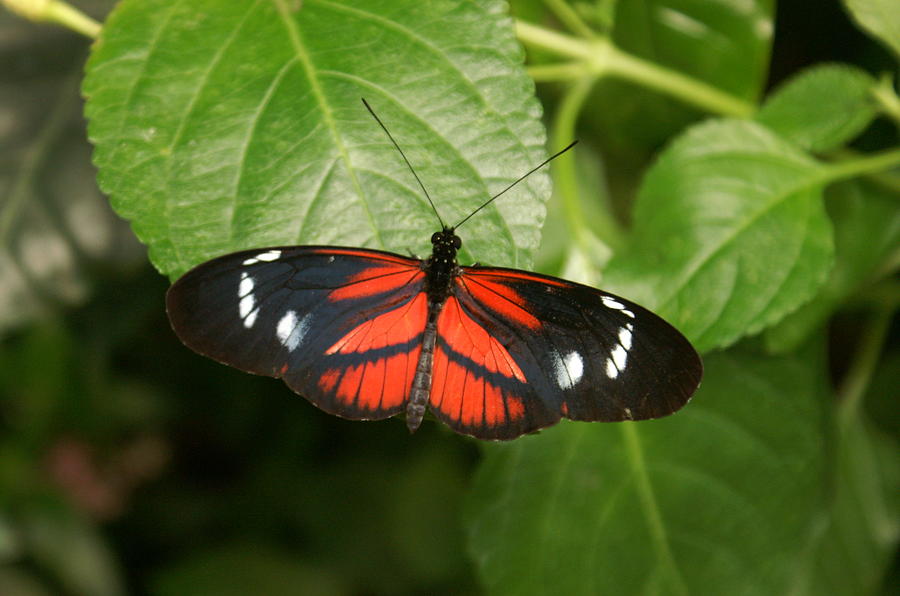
{"x": 341, "y": 326}
{"x": 517, "y": 351}
{"x": 478, "y": 387}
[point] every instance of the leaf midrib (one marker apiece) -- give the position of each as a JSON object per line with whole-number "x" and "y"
{"x": 302, "y": 55}
{"x": 815, "y": 177}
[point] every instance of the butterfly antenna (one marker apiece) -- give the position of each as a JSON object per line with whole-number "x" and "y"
{"x": 409, "y": 165}
{"x": 529, "y": 173}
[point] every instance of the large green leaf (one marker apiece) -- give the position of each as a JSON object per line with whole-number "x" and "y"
{"x": 822, "y": 107}
{"x": 223, "y": 124}
{"x": 867, "y": 229}
{"x": 709, "y": 501}
{"x": 881, "y": 18}
{"x": 730, "y": 233}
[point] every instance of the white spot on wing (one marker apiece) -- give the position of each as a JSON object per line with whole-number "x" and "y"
{"x": 625, "y": 335}
{"x": 627, "y": 313}
{"x": 619, "y": 357}
{"x": 246, "y": 306}
{"x": 290, "y": 331}
{"x": 268, "y": 256}
{"x": 569, "y": 370}
{"x": 610, "y": 302}
{"x": 611, "y": 371}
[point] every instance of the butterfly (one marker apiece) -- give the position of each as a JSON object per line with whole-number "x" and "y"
{"x": 492, "y": 352}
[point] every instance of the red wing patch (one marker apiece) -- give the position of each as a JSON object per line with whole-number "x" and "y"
{"x": 392, "y": 328}
{"x": 374, "y": 385}
{"x": 385, "y": 351}
{"x": 473, "y": 375}
{"x": 376, "y": 280}
{"x": 500, "y": 298}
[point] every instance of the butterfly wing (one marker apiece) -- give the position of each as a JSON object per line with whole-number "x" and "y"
{"x": 342, "y": 326}
{"x": 517, "y": 351}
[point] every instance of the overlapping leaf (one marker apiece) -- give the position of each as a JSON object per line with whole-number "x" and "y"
{"x": 730, "y": 233}
{"x": 222, "y": 125}
{"x": 821, "y": 108}
{"x": 880, "y": 18}
{"x": 867, "y": 229}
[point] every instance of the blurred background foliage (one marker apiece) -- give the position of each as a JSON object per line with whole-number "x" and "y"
{"x": 130, "y": 465}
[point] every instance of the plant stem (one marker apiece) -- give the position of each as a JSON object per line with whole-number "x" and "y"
{"x": 887, "y": 99}
{"x": 566, "y": 71}
{"x": 671, "y": 82}
{"x": 569, "y": 17}
{"x": 566, "y": 176}
{"x": 55, "y": 11}
{"x": 884, "y": 178}
{"x": 869, "y": 164}
{"x": 35, "y": 157}
{"x": 604, "y": 59}
{"x": 856, "y": 382}
{"x": 553, "y": 41}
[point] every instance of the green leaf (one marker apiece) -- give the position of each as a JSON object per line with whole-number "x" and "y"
{"x": 725, "y": 44}
{"x": 698, "y": 503}
{"x": 730, "y": 233}
{"x": 822, "y": 107}
{"x": 222, "y": 125}
{"x": 867, "y": 228}
{"x": 880, "y": 18}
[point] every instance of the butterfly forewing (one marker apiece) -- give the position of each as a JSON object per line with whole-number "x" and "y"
{"x": 517, "y": 351}
{"x": 342, "y": 326}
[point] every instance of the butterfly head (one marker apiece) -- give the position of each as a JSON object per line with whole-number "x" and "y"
{"x": 444, "y": 245}
{"x": 446, "y": 239}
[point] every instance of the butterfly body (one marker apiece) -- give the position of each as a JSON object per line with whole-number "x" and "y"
{"x": 440, "y": 270}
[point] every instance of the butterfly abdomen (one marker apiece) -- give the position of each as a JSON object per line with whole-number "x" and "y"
{"x": 421, "y": 386}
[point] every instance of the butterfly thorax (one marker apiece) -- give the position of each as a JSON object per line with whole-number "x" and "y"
{"x": 441, "y": 266}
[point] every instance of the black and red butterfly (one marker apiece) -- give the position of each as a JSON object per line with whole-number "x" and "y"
{"x": 494, "y": 353}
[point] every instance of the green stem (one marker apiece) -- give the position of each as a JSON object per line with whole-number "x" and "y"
{"x": 887, "y": 99}
{"x": 55, "y": 11}
{"x": 856, "y": 382}
{"x": 566, "y": 176}
{"x": 656, "y": 525}
{"x": 569, "y": 18}
{"x": 553, "y": 41}
{"x": 34, "y": 158}
{"x": 568, "y": 71}
{"x": 869, "y": 164}
{"x": 604, "y": 59}
{"x": 884, "y": 178}
{"x": 674, "y": 83}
